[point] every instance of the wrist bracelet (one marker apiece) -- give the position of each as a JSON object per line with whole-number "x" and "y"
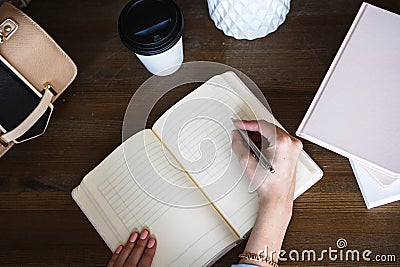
{"x": 257, "y": 257}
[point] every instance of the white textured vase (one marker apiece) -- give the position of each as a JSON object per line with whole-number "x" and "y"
{"x": 248, "y": 19}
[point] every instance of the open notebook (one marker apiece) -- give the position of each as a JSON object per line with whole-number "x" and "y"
{"x": 151, "y": 180}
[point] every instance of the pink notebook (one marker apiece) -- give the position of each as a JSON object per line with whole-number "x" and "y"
{"x": 356, "y": 111}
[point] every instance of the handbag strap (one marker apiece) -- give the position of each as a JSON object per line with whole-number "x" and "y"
{"x": 29, "y": 121}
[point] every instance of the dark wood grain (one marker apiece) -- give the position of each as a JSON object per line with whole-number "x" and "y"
{"x": 39, "y": 223}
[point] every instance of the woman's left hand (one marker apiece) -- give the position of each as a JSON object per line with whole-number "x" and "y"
{"x": 138, "y": 251}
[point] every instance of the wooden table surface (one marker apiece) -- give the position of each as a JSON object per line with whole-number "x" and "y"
{"x": 39, "y": 222}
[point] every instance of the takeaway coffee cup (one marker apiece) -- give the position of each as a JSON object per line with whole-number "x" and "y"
{"x": 152, "y": 29}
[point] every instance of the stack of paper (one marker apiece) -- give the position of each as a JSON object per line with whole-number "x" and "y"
{"x": 355, "y": 111}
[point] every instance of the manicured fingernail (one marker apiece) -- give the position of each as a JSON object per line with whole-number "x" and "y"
{"x": 119, "y": 249}
{"x": 144, "y": 234}
{"x": 133, "y": 237}
{"x": 151, "y": 243}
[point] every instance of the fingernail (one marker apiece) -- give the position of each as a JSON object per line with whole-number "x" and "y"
{"x": 119, "y": 249}
{"x": 151, "y": 243}
{"x": 133, "y": 237}
{"x": 144, "y": 234}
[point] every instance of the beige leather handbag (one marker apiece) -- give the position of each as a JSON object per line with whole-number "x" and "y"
{"x": 32, "y": 55}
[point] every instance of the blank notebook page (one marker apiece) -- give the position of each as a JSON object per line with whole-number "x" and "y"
{"x": 356, "y": 110}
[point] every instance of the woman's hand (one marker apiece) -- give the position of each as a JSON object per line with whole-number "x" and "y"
{"x": 138, "y": 251}
{"x": 278, "y": 188}
{"x": 276, "y": 191}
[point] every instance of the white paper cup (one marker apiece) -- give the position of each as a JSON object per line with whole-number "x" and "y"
{"x": 166, "y": 62}
{"x": 153, "y": 29}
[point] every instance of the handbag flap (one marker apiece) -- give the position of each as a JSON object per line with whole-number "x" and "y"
{"x": 35, "y": 54}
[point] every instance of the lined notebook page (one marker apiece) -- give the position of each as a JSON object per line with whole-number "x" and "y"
{"x": 198, "y": 131}
{"x": 117, "y": 200}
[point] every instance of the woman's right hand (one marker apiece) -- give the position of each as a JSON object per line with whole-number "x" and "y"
{"x": 279, "y": 186}
{"x": 275, "y": 192}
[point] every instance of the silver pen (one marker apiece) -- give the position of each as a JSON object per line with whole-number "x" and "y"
{"x": 256, "y": 151}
